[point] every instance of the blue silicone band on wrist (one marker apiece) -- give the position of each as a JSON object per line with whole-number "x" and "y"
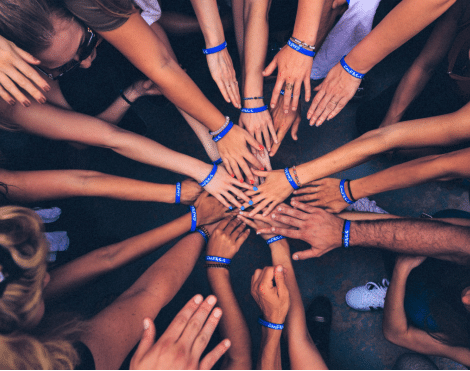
{"x": 217, "y": 162}
{"x": 274, "y": 326}
{"x": 298, "y": 48}
{"x": 193, "y": 218}
{"x": 289, "y": 178}
{"x": 215, "y": 49}
{"x": 274, "y": 239}
{"x": 346, "y": 228}
{"x": 223, "y": 133}
{"x": 178, "y": 193}
{"x": 343, "y": 192}
{"x": 209, "y": 177}
{"x": 350, "y": 70}
{"x": 203, "y": 234}
{"x": 254, "y": 110}
{"x": 218, "y": 259}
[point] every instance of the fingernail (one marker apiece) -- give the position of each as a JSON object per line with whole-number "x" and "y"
{"x": 232, "y": 175}
{"x": 241, "y": 213}
{"x": 47, "y": 88}
{"x": 227, "y": 343}
{"x": 146, "y": 324}
{"x": 250, "y": 202}
{"x": 252, "y": 181}
{"x": 294, "y": 108}
{"x": 27, "y": 103}
{"x": 276, "y": 141}
{"x": 217, "y": 312}
{"x": 255, "y": 188}
{"x": 273, "y": 229}
{"x": 258, "y": 232}
{"x": 198, "y": 299}
{"x": 273, "y": 216}
{"x": 286, "y": 111}
{"x": 242, "y": 208}
{"x": 241, "y": 180}
{"x": 293, "y": 202}
{"x": 230, "y": 207}
{"x": 11, "y": 102}
{"x": 295, "y": 257}
{"x": 280, "y": 268}
{"x": 261, "y": 148}
{"x": 272, "y": 105}
{"x": 262, "y": 169}
{"x": 295, "y": 192}
{"x": 42, "y": 100}
{"x": 211, "y": 300}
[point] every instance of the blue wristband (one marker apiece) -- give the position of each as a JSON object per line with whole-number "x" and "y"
{"x": 193, "y": 218}
{"x": 298, "y": 48}
{"x": 343, "y": 192}
{"x": 218, "y": 259}
{"x": 217, "y": 162}
{"x": 270, "y": 325}
{"x": 254, "y": 110}
{"x": 203, "y": 234}
{"x": 178, "y": 193}
{"x": 274, "y": 239}
{"x": 289, "y": 178}
{"x": 350, "y": 70}
{"x": 223, "y": 133}
{"x": 346, "y": 227}
{"x": 215, "y": 49}
{"x": 209, "y": 177}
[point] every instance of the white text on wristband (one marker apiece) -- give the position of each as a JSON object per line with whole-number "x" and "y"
{"x": 218, "y": 259}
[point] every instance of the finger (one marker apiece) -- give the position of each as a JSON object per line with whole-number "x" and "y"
{"x": 287, "y": 96}
{"x": 312, "y": 188}
{"x": 338, "y": 108}
{"x": 290, "y": 211}
{"x": 6, "y": 97}
{"x": 28, "y": 58}
{"x": 271, "y": 67}
{"x": 234, "y": 223}
{"x": 308, "y": 88}
{"x": 259, "y": 147}
{"x": 304, "y": 207}
{"x": 269, "y": 208}
{"x": 261, "y": 173}
{"x": 235, "y": 93}
{"x": 242, "y": 237}
{"x": 236, "y": 170}
{"x": 313, "y": 107}
{"x": 255, "y": 278}
{"x": 247, "y": 221}
{"x": 281, "y": 133}
{"x": 203, "y": 337}
{"x": 266, "y": 279}
{"x": 277, "y": 91}
{"x": 239, "y": 194}
{"x": 214, "y": 355}
{"x": 221, "y": 199}
{"x": 258, "y": 208}
{"x": 329, "y": 107}
{"x": 296, "y": 96}
{"x": 240, "y": 228}
{"x": 147, "y": 340}
{"x": 302, "y": 255}
{"x": 258, "y": 137}
{"x": 295, "y": 129}
{"x": 177, "y": 326}
{"x": 197, "y": 320}
{"x": 231, "y": 199}
{"x": 290, "y": 233}
{"x": 280, "y": 280}
{"x": 223, "y": 89}
{"x": 272, "y": 130}
{"x": 267, "y": 137}
{"x": 228, "y": 167}
{"x": 306, "y": 198}
{"x": 27, "y": 85}
{"x": 12, "y": 89}
{"x": 287, "y": 220}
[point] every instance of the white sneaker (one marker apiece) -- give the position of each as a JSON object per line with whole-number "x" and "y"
{"x": 366, "y": 205}
{"x": 368, "y": 297}
{"x": 48, "y": 215}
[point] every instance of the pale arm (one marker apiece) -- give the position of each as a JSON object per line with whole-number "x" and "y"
{"x": 270, "y": 350}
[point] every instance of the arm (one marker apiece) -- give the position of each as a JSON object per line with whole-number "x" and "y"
{"x": 225, "y": 242}
{"x": 405, "y": 20}
{"x": 325, "y": 193}
{"x": 33, "y": 186}
{"x": 108, "y": 258}
{"x": 395, "y": 324}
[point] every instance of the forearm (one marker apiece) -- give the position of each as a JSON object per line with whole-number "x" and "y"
{"x": 116, "y": 111}
{"x": 270, "y": 350}
{"x": 232, "y": 325}
{"x": 415, "y": 237}
{"x": 106, "y": 259}
{"x": 209, "y": 20}
{"x": 307, "y": 20}
{"x": 407, "y": 19}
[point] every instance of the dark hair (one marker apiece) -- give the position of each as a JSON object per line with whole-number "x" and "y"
{"x": 117, "y": 8}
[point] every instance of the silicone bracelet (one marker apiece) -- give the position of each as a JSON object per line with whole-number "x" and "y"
{"x": 289, "y": 178}
{"x": 218, "y": 259}
{"x": 121, "y": 93}
{"x": 178, "y": 193}
{"x": 217, "y": 162}
{"x": 223, "y": 133}
{"x": 274, "y": 326}
{"x": 343, "y": 192}
{"x": 203, "y": 234}
{"x": 350, "y": 70}
{"x": 193, "y": 218}
{"x": 346, "y": 228}
{"x": 251, "y": 98}
{"x": 274, "y": 239}
{"x": 254, "y": 110}
{"x": 215, "y": 49}
{"x": 298, "y": 48}
{"x": 209, "y": 177}
{"x": 283, "y": 92}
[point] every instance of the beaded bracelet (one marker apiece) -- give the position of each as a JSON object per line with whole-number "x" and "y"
{"x": 349, "y": 70}
{"x": 289, "y": 178}
{"x": 274, "y": 239}
{"x": 217, "y": 265}
{"x": 343, "y": 193}
{"x": 123, "y": 96}
{"x": 254, "y": 110}
{"x": 193, "y": 218}
{"x": 204, "y": 233}
{"x": 223, "y": 133}
{"x": 345, "y": 235}
{"x": 217, "y": 162}
{"x": 251, "y": 98}
{"x": 209, "y": 177}
{"x": 301, "y": 43}
{"x": 298, "y": 48}
{"x": 296, "y": 177}
{"x": 215, "y": 49}
{"x": 178, "y": 193}
{"x": 350, "y": 193}
{"x": 227, "y": 121}
{"x": 218, "y": 259}
{"x": 274, "y": 326}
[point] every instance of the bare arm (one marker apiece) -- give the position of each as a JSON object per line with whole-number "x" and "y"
{"x": 395, "y": 324}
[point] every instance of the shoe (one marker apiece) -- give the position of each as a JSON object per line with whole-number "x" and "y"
{"x": 319, "y": 315}
{"x": 48, "y": 215}
{"x": 369, "y": 297}
{"x": 366, "y": 205}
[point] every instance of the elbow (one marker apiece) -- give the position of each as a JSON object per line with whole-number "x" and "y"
{"x": 393, "y": 334}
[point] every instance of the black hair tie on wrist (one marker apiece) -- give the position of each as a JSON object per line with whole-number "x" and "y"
{"x": 125, "y": 98}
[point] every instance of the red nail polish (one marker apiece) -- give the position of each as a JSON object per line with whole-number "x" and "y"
{"x": 241, "y": 180}
{"x": 252, "y": 181}
{"x": 232, "y": 175}
{"x": 261, "y": 148}
{"x": 262, "y": 168}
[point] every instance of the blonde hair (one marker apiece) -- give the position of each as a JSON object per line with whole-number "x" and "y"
{"x": 21, "y": 233}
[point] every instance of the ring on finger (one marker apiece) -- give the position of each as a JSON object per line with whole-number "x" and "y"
{"x": 335, "y": 103}
{"x": 289, "y": 86}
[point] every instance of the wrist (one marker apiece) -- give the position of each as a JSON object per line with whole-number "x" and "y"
{"x": 355, "y": 63}
{"x": 253, "y": 103}
{"x": 131, "y": 95}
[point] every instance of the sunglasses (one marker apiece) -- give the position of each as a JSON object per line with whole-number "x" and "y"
{"x": 84, "y": 51}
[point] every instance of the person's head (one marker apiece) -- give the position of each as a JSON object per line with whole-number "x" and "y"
{"x": 23, "y": 251}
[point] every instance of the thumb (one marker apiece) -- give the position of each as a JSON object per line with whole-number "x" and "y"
{"x": 270, "y": 68}
{"x": 147, "y": 340}
{"x": 295, "y": 128}
{"x": 148, "y": 84}
{"x": 303, "y": 255}
{"x": 280, "y": 278}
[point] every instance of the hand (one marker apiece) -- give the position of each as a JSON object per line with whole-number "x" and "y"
{"x": 322, "y": 193}
{"x": 222, "y": 71}
{"x": 190, "y": 191}
{"x": 322, "y": 230}
{"x": 181, "y": 345}
{"x": 227, "y": 238}
{"x": 293, "y": 68}
{"x": 274, "y": 301}
{"x": 234, "y": 151}
{"x": 409, "y": 262}
{"x": 141, "y": 88}
{"x": 259, "y": 125}
{"x": 259, "y": 221}
{"x": 208, "y": 209}
{"x": 332, "y": 95}
{"x": 263, "y": 158}
{"x": 282, "y": 123}
{"x": 272, "y": 192}
{"x": 15, "y": 70}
